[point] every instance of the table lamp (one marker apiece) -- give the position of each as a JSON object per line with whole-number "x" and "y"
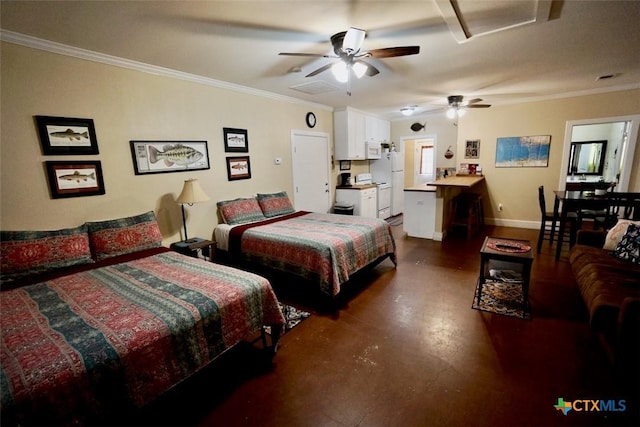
{"x": 191, "y": 193}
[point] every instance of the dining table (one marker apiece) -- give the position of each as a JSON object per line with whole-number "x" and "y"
{"x": 574, "y": 201}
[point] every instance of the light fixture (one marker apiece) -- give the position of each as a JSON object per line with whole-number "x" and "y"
{"x": 455, "y": 112}
{"x": 407, "y": 111}
{"x": 191, "y": 193}
{"x": 341, "y": 70}
{"x": 359, "y": 69}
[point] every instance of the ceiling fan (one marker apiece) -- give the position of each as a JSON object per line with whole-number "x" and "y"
{"x": 347, "y": 48}
{"x": 457, "y": 105}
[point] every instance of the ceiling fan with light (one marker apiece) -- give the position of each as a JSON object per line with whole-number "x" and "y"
{"x": 347, "y": 48}
{"x": 457, "y": 106}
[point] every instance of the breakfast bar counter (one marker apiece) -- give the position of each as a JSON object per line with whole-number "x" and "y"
{"x": 447, "y": 190}
{"x": 458, "y": 181}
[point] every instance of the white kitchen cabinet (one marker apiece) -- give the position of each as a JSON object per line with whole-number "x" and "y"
{"x": 364, "y": 200}
{"x": 419, "y": 217}
{"x": 353, "y": 129}
{"x": 377, "y": 130}
{"x": 349, "y": 135}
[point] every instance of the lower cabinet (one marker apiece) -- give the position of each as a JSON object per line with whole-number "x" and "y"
{"x": 365, "y": 201}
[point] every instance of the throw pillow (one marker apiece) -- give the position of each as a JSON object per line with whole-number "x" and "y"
{"x": 615, "y": 234}
{"x": 240, "y": 211}
{"x": 124, "y": 235}
{"x": 629, "y": 247}
{"x": 31, "y": 252}
{"x": 275, "y": 204}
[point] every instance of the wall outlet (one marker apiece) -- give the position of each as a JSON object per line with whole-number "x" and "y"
{"x": 500, "y": 207}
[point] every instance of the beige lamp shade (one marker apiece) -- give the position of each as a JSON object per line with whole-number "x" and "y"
{"x": 192, "y": 193}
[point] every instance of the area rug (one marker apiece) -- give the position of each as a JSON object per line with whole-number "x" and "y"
{"x": 502, "y": 298}
{"x": 293, "y": 317}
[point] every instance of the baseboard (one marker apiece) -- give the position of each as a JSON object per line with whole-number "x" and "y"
{"x": 534, "y": 225}
{"x": 438, "y": 236}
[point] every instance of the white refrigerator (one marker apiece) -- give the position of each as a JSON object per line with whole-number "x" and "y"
{"x": 390, "y": 168}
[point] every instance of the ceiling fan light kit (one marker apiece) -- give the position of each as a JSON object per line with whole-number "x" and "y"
{"x": 347, "y": 46}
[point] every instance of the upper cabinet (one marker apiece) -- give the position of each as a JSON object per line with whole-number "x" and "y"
{"x": 377, "y": 130}
{"x": 353, "y": 129}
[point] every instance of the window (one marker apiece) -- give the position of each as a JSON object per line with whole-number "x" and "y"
{"x": 426, "y": 160}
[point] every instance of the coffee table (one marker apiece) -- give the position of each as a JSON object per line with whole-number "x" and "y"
{"x": 502, "y": 256}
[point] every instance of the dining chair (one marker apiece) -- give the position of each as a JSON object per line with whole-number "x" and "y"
{"x": 596, "y": 211}
{"x": 550, "y": 221}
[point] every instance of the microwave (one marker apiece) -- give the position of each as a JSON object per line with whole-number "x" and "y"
{"x": 374, "y": 150}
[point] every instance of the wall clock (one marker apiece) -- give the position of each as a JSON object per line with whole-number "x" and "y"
{"x": 311, "y": 119}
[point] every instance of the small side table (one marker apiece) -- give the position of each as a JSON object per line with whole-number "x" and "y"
{"x": 196, "y": 247}
{"x": 501, "y": 254}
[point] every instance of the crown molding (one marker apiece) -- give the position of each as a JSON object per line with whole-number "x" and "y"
{"x": 88, "y": 55}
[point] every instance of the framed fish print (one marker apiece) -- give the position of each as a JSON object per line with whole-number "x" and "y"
{"x": 169, "y": 156}
{"x": 74, "y": 179}
{"x": 235, "y": 140}
{"x": 66, "y": 136}
{"x": 238, "y": 168}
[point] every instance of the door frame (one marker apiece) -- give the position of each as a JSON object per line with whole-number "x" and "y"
{"x": 629, "y": 154}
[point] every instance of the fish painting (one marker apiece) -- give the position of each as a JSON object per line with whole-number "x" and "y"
{"x": 239, "y": 166}
{"x": 77, "y": 176}
{"x": 174, "y": 154}
{"x": 71, "y": 134}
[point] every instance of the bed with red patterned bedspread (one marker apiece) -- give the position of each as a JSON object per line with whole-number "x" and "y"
{"x": 326, "y": 249}
{"x": 119, "y": 334}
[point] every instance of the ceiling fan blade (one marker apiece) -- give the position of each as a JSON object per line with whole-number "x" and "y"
{"x": 474, "y": 101}
{"x": 478, "y": 106}
{"x": 389, "y": 52}
{"x": 319, "y": 70}
{"x": 371, "y": 70}
{"x": 353, "y": 40}
{"x": 316, "y": 55}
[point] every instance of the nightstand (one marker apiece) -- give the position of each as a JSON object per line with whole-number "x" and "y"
{"x": 196, "y": 247}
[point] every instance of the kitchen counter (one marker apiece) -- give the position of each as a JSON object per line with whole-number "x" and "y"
{"x": 355, "y": 187}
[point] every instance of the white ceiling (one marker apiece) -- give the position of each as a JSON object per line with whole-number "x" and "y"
{"x": 503, "y": 51}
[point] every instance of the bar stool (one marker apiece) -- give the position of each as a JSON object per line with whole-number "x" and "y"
{"x": 468, "y": 212}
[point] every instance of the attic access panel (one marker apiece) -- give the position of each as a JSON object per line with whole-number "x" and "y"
{"x": 472, "y": 18}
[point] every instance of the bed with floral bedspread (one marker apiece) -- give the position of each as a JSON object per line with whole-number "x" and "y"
{"x": 119, "y": 332}
{"x": 326, "y": 249}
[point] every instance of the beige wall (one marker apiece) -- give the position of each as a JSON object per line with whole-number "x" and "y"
{"x": 128, "y": 105}
{"x": 132, "y": 105}
{"x": 517, "y": 188}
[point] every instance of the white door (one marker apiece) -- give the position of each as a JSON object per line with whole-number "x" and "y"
{"x": 310, "y": 162}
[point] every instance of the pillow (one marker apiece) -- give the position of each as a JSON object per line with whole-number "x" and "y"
{"x": 29, "y": 252}
{"x": 275, "y": 204}
{"x": 615, "y": 234}
{"x": 240, "y": 211}
{"x": 124, "y": 235}
{"x": 629, "y": 247}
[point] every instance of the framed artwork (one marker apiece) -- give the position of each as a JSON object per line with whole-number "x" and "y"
{"x": 169, "y": 156}
{"x": 74, "y": 179}
{"x": 66, "y": 136}
{"x": 345, "y": 165}
{"x": 238, "y": 168}
{"x": 235, "y": 140}
{"x": 523, "y": 151}
{"x": 472, "y": 149}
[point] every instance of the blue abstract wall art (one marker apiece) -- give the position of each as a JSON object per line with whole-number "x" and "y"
{"x": 523, "y": 151}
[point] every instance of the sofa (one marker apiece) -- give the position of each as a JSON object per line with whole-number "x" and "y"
{"x": 606, "y": 266}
